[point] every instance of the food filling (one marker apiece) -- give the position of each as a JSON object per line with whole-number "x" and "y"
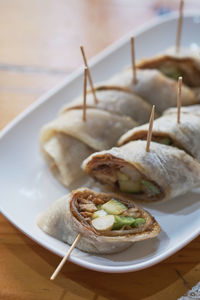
{"x": 173, "y": 67}
{"x": 124, "y": 177}
{"x": 110, "y": 215}
{"x": 166, "y": 140}
{"x": 171, "y": 71}
{"x": 139, "y": 186}
{"x": 163, "y": 140}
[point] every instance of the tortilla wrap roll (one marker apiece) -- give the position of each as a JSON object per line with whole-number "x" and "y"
{"x": 185, "y": 63}
{"x": 194, "y": 109}
{"x": 68, "y": 140}
{"x": 163, "y": 173}
{"x": 112, "y": 228}
{"x": 154, "y": 87}
{"x": 184, "y": 135}
{"x": 117, "y": 101}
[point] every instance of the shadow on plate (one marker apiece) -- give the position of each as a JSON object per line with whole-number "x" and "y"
{"x": 140, "y": 251}
{"x": 181, "y": 205}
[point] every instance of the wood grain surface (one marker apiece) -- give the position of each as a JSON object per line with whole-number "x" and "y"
{"x": 39, "y": 46}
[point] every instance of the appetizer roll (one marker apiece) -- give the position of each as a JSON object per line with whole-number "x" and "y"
{"x": 118, "y": 101}
{"x": 154, "y": 87}
{"x": 107, "y": 223}
{"x": 67, "y": 141}
{"x": 186, "y": 63}
{"x": 194, "y": 109}
{"x": 166, "y": 130}
{"x": 162, "y": 173}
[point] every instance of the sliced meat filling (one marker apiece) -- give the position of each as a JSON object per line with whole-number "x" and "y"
{"x": 124, "y": 177}
{"x": 108, "y": 216}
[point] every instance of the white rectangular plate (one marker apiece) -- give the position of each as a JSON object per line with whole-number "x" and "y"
{"x": 28, "y": 188}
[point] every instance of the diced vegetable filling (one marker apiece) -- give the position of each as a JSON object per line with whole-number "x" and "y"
{"x": 114, "y": 207}
{"x": 114, "y": 215}
{"x": 127, "y": 185}
{"x": 110, "y": 215}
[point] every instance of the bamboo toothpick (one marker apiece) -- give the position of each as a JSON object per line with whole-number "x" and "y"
{"x": 149, "y": 135}
{"x": 65, "y": 258}
{"x": 89, "y": 74}
{"x": 180, "y": 80}
{"x": 84, "y": 93}
{"x": 133, "y": 60}
{"x": 179, "y": 26}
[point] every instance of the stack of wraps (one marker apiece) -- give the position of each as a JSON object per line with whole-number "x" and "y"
{"x": 68, "y": 140}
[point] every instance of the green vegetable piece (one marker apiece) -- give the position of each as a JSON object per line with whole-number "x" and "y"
{"x": 138, "y": 222}
{"x": 165, "y": 141}
{"x": 99, "y": 213}
{"x": 99, "y": 206}
{"x": 151, "y": 188}
{"x": 114, "y": 207}
{"x": 171, "y": 72}
{"x": 121, "y": 221}
{"x": 174, "y": 76}
{"x": 121, "y": 176}
{"x": 130, "y": 186}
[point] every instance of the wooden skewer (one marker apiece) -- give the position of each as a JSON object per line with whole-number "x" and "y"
{"x": 89, "y": 74}
{"x": 133, "y": 60}
{"x": 179, "y": 26}
{"x": 84, "y": 93}
{"x": 149, "y": 135}
{"x": 65, "y": 258}
{"x": 180, "y": 80}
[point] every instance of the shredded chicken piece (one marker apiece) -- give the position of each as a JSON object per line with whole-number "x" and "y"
{"x": 86, "y": 214}
{"x": 131, "y": 212}
{"x": 98, "y": 201}
{"x": 106, "y": 175}
{"x": 84, "y": 201}
{"x": 88, "y": 220}
{"x": 89, "y": 207}
{"x": 90, "y": 197}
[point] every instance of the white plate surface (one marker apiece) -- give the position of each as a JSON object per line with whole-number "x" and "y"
{"x": 28, "y": 188}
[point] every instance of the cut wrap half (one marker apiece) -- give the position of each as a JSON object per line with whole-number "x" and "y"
{"x": 107, "y": 223}
{"x": 154, "y": 87}
{"x": 68, "y": 140}
{"x": 186, "y": 63}
{"x": 166, "y": 130}
{"x": 158, "y": 175}
{"x": 117, "y": 101}
{"x": 194, "y": 109}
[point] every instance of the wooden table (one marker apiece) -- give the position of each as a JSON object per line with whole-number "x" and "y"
{"x": 39, "y": 46}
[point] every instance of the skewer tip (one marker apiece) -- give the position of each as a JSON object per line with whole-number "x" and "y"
{"x": 179, "y": 26}
{"x": 133, "y": 60}
{"x": 84, "y": 92}
{"x": 89, "y": 74}
{"x": 180, "y": 80}
{"x": 149, "y": 135}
